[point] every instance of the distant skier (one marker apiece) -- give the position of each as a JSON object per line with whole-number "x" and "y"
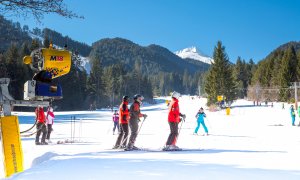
{"x": 123, "y": 121}
{"x": 293, "y": 115}
{"x": 41, "y": 126}
{"x": 135, "y": 114}
{"x": 200, "y": 120}
{"x": 299, "y": 114}
{"x": 173, "y": 119}
{"x": 115, "y": 119}
{"x": 49, "y": 121}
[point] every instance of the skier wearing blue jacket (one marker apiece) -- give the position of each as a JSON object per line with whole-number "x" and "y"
{"x": 293, "y": 115}
{"x": 200, "y": 120}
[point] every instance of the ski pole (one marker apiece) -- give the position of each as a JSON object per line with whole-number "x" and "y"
{"x": 110, "y": 126}
{"x": 125, "y": 139}
{"x": 141, "y": 125}
{"x": 71, "y": 120}
{"x": 179, "y": 129}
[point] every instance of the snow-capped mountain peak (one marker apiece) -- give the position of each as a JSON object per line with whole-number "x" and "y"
{"x": 193, "y": 53}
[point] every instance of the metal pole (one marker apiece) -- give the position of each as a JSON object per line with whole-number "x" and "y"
{"x": 296, "y": 95}
{"x": 71, "y": 128}
{"x": 74, "y": 128}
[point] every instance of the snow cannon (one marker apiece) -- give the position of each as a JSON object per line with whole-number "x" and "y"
{"x": 56, "y": 62}
{"x": 47, "y": 63}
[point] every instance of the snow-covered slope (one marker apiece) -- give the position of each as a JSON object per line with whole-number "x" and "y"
{"x": 193, "y": 53}
{"x": 86, "y": 64}
{"x": 253, "y": 142}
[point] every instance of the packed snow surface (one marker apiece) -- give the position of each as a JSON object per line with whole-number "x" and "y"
{"x": 253, "y": 142}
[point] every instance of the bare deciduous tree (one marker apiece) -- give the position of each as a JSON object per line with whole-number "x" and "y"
{"x": 36, "y": 7}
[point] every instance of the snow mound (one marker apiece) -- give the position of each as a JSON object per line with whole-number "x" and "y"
{"x": 46, "y": 157}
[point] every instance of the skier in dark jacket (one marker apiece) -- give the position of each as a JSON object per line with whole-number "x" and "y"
{"x": 135, "y": 114}
{"x": 123, "y": 120}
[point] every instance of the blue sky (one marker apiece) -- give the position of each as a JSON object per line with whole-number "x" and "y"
{"x": 247, "y": 28}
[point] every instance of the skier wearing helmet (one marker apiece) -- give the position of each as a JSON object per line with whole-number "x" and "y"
{"x": 173, "y": 119}
{"x": 123, "y": 120}
{"x": 40, "y": 126}
{"x": 135, "y": 114}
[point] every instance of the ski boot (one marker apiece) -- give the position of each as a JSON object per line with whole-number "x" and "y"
{"x": 44, "y": 143}
{"x": 171, "y": 148}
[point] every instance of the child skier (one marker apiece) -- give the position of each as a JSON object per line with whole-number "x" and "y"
{"x": 173, "y": 119}
{"x": 293, "y": 115}
{"x": 299, "y": 114}
{"x": 200, "y": 120}
{"x": 116, "y": 121}
{"x": 123, "y": 120}
{"x": 49, "y": 121}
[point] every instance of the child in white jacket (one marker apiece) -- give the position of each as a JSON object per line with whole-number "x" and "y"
{"x": 49, "y": 121}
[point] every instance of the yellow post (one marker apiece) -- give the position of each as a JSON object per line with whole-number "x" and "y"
{"x": 228, "y": 111}
{"x": 11, "y": 145}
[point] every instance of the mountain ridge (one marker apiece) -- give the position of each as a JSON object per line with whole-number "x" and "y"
{"x": 113, "y": 50}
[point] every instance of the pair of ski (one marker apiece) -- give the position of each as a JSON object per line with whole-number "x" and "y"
{"x": 159, "y": 150}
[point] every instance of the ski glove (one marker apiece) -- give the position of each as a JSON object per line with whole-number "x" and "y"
{"x": 145, "y": 116}
{"x": 183, "y": 116}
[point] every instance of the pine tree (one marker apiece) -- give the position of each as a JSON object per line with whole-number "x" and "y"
{"x": 3, "y": 70}
{"x": 46, "y": 42}
{"x": 288, "y": 73}
{"x": 185, "y": 81}
{"x": 220, "y": 77}
{"x": 250, "y": 70}
{"x": 34, "y": 44}
{"x": 95, "y": 82}
{"x": 14, "y": 71}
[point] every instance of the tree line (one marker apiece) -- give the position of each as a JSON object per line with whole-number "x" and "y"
{"x": 269, "y": 80}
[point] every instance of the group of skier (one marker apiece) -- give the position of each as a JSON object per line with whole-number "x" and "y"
{"x": 44, "y": 125}
{"x": 130, "y": 117}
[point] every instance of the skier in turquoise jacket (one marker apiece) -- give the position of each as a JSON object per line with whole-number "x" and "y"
{"x": 293, "y": 115}
{"x": 200, "y": 120}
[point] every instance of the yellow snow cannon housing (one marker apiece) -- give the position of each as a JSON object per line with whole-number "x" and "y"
{"x": 55, "y": 61}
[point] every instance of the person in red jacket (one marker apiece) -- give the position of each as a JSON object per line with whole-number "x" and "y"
{"x": 123, "y": 121}
{"x": 40, "y": 126}
{"x": 173, "y": 119}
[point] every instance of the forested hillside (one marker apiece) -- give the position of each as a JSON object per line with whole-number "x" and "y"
{"x": 276, "y": 73}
